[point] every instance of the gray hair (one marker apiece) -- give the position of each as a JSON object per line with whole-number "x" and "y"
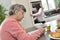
{"x": 15, "y": 7}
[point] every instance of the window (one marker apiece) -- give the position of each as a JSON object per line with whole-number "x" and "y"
{"x": 51, "y": 4}
{"x": 57, "y": 3}
{"x": 44, "y": 4}
{"x": 48, "y": 4}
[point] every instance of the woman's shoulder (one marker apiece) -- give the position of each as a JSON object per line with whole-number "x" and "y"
{"x": 40, "y": 9}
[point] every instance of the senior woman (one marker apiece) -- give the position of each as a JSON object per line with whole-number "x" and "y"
{"x": 13, "y": 30}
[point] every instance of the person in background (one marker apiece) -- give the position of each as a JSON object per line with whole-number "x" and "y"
{"x": 11, "y": 29}
{"x": 39, "y": 16}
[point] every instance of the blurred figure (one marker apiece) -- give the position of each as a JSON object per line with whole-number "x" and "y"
{"x": 39, "y": 16}
{"x": 13, "y": 30}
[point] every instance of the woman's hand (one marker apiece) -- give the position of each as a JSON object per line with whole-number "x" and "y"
{"x": 31, "y": 14}
{"x": 41, "y": 30}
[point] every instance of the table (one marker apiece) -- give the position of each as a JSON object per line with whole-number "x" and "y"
{"x": 53, "y": 28}
{"x": 45, "y": 36}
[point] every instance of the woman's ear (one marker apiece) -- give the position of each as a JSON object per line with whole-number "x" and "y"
{"x": 16, "y": 12}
